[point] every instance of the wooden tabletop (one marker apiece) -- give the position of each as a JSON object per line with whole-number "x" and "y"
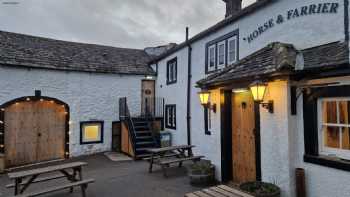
{"x": 219, "y": 191}
{"x": 44, "y": 170}
{"x": 170, "y": 148}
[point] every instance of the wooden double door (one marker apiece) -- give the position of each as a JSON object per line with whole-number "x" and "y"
{"x": 34, "y": 132}
{"x": 244, "y": 138}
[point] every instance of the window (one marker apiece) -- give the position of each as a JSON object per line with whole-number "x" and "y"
{"x": 232, "y": 44}
{"x": 91, "y": 132}
{"x": 212, "y": 58}
{"x": 170, "y": 116}
{"x": 221, "y": 54}
{"x": 172, "y": 71}
{"x": 326, "y": 126}
{"x": 334, "y": 126}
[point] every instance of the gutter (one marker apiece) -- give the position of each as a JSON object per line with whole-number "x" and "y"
{"x": 189, "y": 79}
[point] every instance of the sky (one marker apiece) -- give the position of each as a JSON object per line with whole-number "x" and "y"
{"x": 119, "y": 23}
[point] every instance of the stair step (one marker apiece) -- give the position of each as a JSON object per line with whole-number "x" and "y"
{"x": 141, "y": 156}
{"x": 145, "y": 143}
{"x": 144, "y": 137}
{"x": 142, "y": 149}
{"x": 144, "y": 132}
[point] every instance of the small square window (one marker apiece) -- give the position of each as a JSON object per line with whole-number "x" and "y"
{"x": 91, "y": 132}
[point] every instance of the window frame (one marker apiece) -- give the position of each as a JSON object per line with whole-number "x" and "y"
{"x": 232, "y": 35}
{"x": 223, "y": 65}
{"x": 234, "y": 38}
{"x": 323, "y": 149}
{"x": 171, "y": 73}
{"x": 212, "y": 68}
{"x": 311, "y": 132}
{"x": 172, "y": 109}
{"x": 83, "y": 123}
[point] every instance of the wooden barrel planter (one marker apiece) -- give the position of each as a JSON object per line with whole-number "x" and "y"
{"x": 261, "y": 189}
{"x": 201, "y": 173}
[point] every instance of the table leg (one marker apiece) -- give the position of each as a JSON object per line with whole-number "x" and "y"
{"x": 26, "y": 185}
{"x": 17, "y": 185}
{"x": 151, "y": 163}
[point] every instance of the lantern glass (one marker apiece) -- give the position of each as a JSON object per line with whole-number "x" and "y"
{"x": 204, "y": 97}
{"x": 258, "y": 90}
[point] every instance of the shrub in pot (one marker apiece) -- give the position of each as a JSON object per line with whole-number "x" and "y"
{"x": 261, "y": 189}
{"x": 202, "y": 173}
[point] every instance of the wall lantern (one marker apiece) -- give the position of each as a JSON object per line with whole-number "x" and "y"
{"x": 258, "y": 89}
{"x": 204, "y": 97}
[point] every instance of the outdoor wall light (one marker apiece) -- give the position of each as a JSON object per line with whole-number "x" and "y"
{"x": 204, "y": 97}
{"x": 258, "y": 89}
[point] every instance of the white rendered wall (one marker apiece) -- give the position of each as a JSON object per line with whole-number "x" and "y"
{"x": 89, "y": 96}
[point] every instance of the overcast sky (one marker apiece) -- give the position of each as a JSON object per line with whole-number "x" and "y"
{"x": 121, "y": 23}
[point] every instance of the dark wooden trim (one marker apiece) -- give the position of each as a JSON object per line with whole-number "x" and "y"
{"x": 328, "y": 162}
{"x": 346, "y": 20}
{"x": 206, "y": 121}
{"x": 82, "y": 123}
{"x": 226, "y": 135}
{"x": 173, "y": 124}
{"x": 293, "y": 100}
{"x": 168, "y": 82}
{"x": 257, "y": 141}
{"x": 215, "y": 42}
{"x": 38, "y": 97}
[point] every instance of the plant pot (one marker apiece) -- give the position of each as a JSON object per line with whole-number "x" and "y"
{"x": 261, "y": 189}
{"x": 201, "y": 177}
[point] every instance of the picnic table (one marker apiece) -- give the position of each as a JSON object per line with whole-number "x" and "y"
{"x": 169, "y": 155}
{"x": 32, "y": 176}
{"x": 219, "y": 191}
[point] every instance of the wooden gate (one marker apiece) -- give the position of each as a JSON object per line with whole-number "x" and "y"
{"x": 243, "y": 138}
{"x": 34, "y": 132}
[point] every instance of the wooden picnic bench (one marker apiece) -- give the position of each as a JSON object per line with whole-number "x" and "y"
{"x": 32, "y": 176}
{"x": 170, "y": 155}
{"x": 219, "y": 191}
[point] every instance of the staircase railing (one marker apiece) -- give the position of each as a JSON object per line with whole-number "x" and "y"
{"x": 124, "y": 115}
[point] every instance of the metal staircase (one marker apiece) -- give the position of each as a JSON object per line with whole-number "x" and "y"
{"x": 140, "y": 130}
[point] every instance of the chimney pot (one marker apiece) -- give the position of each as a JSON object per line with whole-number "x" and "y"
{"x": 232, "y": 7}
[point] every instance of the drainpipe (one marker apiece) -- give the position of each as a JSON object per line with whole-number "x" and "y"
{"x": 188, "y": 117}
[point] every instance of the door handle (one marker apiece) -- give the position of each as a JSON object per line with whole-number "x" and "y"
{"x": 39, "y": 134}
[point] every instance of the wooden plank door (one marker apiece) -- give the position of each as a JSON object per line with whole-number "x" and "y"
{"x": 34, "y": 132}
{"x": 50, "y": 129}
{"x": 148, "y": 96}
{"x": 243, "y": 138}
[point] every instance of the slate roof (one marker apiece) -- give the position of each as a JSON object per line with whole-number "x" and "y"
{"x": 36, "y": 52}
{"x": 280, "y": 59}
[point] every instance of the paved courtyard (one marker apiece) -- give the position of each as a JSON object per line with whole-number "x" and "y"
{"x": 120, "y": 179}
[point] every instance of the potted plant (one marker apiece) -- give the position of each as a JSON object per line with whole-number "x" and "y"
{"x": 261, "y": 189}
{"x": 202, "y": 173}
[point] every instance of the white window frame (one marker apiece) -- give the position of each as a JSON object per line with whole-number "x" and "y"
{"x": 221, "y": 65}
{"x": 211, "y": 68}
{"x": 234, "y": 38}
{"x": 327, "y": 151}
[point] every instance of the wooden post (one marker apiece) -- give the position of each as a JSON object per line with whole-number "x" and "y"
{"x": 300, "y": 182}
{"x": 2, "y": 163}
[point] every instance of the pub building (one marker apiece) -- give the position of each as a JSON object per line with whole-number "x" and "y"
{"x": 263, "y": 93}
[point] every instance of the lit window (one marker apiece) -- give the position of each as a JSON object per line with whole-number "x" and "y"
{"x": 232, "y": 44}
{"x": 91, "y": 132}
{"x": 170, "y": 116}
{"x": 172, "y": 71}
{"x": 334, "y": 127}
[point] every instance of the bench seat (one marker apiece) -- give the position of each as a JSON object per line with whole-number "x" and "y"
{"x": 82, "y": 184}
{"x": 38, "y": 180}
{"x": 178, "y": 160}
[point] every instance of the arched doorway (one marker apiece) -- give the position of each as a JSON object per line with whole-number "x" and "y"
{"x": 34, "y": 129}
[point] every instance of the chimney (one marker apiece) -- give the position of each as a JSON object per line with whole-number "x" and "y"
{"x": 232, "y": 7}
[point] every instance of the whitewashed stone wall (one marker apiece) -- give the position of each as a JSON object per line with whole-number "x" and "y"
{"x": 90, "y": 96}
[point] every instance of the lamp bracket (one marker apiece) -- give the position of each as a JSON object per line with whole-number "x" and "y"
{"x": 268, "y": 106}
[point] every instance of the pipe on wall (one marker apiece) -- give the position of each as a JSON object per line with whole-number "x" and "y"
{"x": 189, "y": 78}
{"x": 300, "y": 182}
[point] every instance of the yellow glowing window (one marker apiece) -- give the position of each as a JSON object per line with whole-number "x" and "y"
{"x": 91, "y": 132}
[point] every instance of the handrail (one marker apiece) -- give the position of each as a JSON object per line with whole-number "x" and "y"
{"x": 124, "y": 114}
